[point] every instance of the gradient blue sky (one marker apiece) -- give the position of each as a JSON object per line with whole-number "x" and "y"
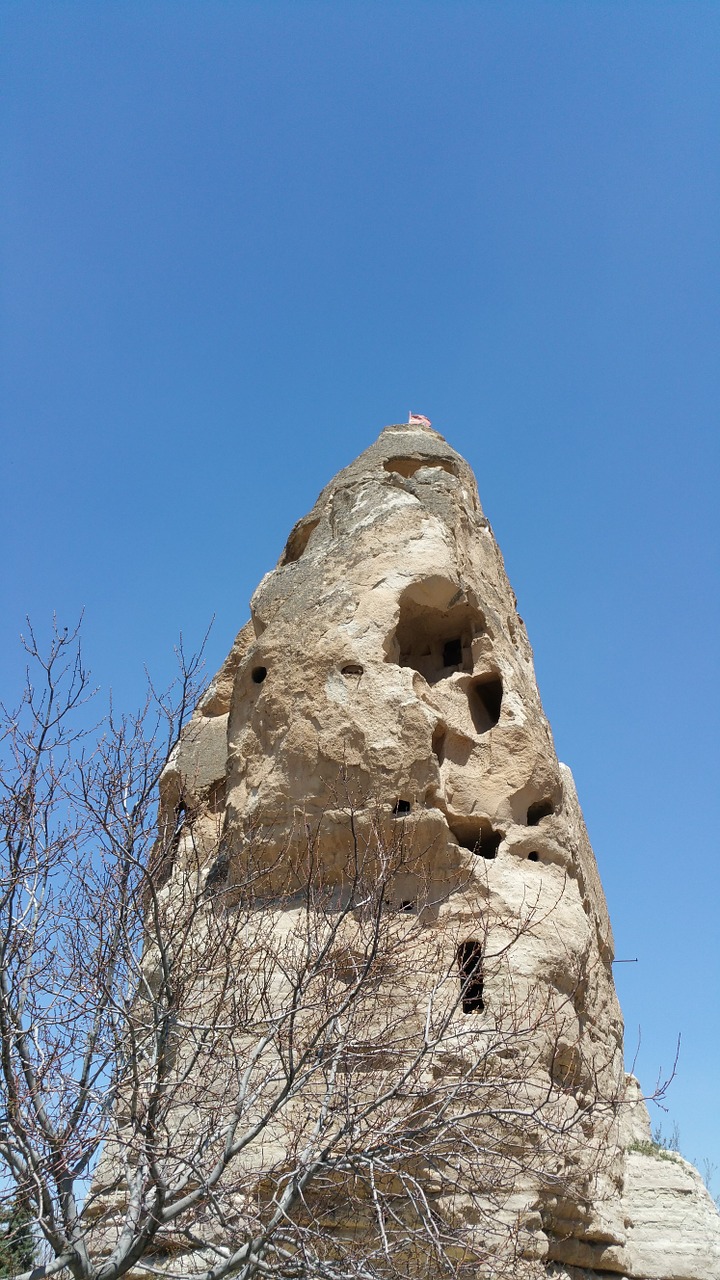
{"x": 240, "y": 238}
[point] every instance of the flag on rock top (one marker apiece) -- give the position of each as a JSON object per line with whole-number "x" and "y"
{"x": 419, "y": 417}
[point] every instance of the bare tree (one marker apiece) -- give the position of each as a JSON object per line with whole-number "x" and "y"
{"x": 253, "y": 1065}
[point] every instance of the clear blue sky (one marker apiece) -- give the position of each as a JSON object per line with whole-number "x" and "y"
{"x": 240, "y": 238}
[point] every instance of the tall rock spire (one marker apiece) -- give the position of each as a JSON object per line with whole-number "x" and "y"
{"x": 383, "y": 697}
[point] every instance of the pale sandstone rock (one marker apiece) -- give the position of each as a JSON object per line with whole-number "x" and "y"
{"x": 673, "y": 1229}
{"x": 386, "y": 649}
{"x": 199, "y": 760}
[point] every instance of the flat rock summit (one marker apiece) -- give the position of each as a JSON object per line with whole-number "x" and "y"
{"x": 382, "y": 698}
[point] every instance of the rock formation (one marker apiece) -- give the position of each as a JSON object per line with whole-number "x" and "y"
{"x": 382, "y": 698}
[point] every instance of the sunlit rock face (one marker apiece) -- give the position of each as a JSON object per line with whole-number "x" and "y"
{"x": 385, "y": 670}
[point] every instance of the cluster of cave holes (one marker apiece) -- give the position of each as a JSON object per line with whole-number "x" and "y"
{"x": 536, "y": 812}
{"x": 481, "y": 838}
{"x": 435, "y": 629}
{"x": 434, "y": 636}
{"x": 428, "y": 649}
{"x": 475, "y": 834}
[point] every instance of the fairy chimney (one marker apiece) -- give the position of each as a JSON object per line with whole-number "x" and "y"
{"x": 385, "y": 672}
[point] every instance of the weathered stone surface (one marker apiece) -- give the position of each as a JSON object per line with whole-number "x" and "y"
{"x": 199, "y": 760}
{"x": 385, "y": 658}
{"x": 673, "y": 1229}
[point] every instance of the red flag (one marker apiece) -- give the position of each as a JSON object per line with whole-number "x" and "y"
{"x": 419, "y": 417}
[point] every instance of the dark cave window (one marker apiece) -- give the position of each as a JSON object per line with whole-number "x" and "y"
{"x": 469, "y": 960}
{"x": 488, "y": 843}
{"x": 481, "y": 839}
{"x": 536, "y": 812}
{"x": 485, "y": 702}
{"x": 259, "y": 674}
{"x": 452, "y": 654}
{"x": 401, "y": 807}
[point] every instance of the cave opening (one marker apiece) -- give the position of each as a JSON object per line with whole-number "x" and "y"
{"x": 452, "y": 654}
{"x": 539, "y": 810}
{"x": 486, "y": 702}
{"x": 435, "y": 629}
{"x": 469, "y": 961}
{"x": 478, "y": 836}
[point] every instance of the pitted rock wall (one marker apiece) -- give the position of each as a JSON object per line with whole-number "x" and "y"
{"x": 385, "y": 657}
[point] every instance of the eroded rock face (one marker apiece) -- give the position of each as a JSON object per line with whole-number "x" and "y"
{"x": 385, "y": 665}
